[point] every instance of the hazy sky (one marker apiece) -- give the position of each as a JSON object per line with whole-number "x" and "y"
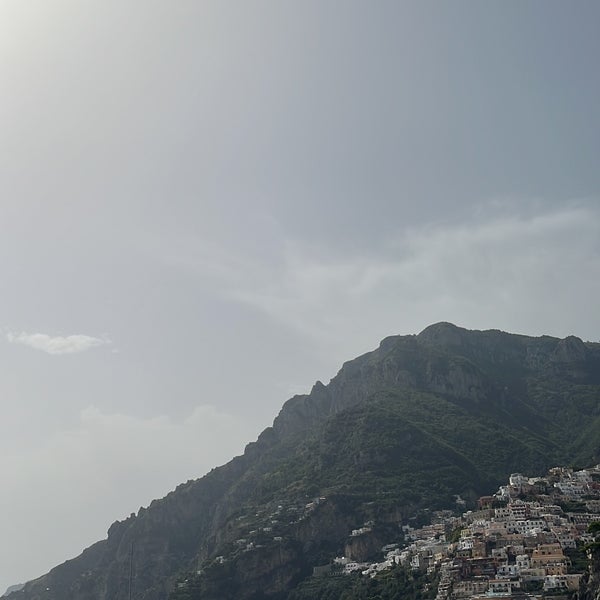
{"x": 206, "y": 206}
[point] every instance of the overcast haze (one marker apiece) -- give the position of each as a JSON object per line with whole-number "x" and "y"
{"x": 207, "y": 206}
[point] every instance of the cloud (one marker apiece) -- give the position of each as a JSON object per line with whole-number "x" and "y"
{"x": 529, "y": 273}
{"x": 70, "y": 344}
{"x": 514, "y": 264}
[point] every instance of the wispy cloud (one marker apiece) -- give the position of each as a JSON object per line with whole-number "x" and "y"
{"x": 516, "y": 272}
{"x": 69, "y": 344}
{"x": 514, "y": 264}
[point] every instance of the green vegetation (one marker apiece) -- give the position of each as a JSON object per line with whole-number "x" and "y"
{"x": 398, "y": 582}
{"x": 573, "y": 506}
{"x": 578, "y": 560}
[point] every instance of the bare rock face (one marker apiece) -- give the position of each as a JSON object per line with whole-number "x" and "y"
{"x": 445, "y": 335}
{"x": 590, "y": 584}
{"x": 570, "y": 350}
{"x": 303, "y": 411}
{"x": 363, "y": 547}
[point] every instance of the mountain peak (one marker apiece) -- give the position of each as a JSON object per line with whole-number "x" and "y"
{"x": 443, "y": 333}
{"x": 570, "y": 349}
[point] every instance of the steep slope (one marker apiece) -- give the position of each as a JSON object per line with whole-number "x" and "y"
{"x": 405, "y": 427}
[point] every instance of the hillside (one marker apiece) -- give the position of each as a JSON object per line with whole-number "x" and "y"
{"x": 404, "y": 428}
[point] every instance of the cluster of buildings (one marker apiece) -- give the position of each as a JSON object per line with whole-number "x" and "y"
{"x": 518, "y": 543}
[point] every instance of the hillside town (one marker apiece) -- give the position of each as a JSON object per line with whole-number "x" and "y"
{"x": 526, "y": 540}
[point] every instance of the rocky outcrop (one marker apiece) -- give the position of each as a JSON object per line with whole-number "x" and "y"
{"x": 363, "y": 547}
{"x": 590, "y": 584}
{"x": 14, "y": 588}
{"x": 443, "y": 359}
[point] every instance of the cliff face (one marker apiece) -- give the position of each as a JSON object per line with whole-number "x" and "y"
{"x": 420, "y": 418}
{"x": 450, "y": 361}
{"x": 590, "y": 584}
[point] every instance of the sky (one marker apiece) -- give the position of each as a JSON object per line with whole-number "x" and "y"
{"x": 207, "y": 206}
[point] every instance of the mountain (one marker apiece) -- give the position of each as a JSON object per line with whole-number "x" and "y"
{"x": 405, "y": 428}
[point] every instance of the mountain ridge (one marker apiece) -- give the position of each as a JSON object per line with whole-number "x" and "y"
{"x": 464, "y": 406}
